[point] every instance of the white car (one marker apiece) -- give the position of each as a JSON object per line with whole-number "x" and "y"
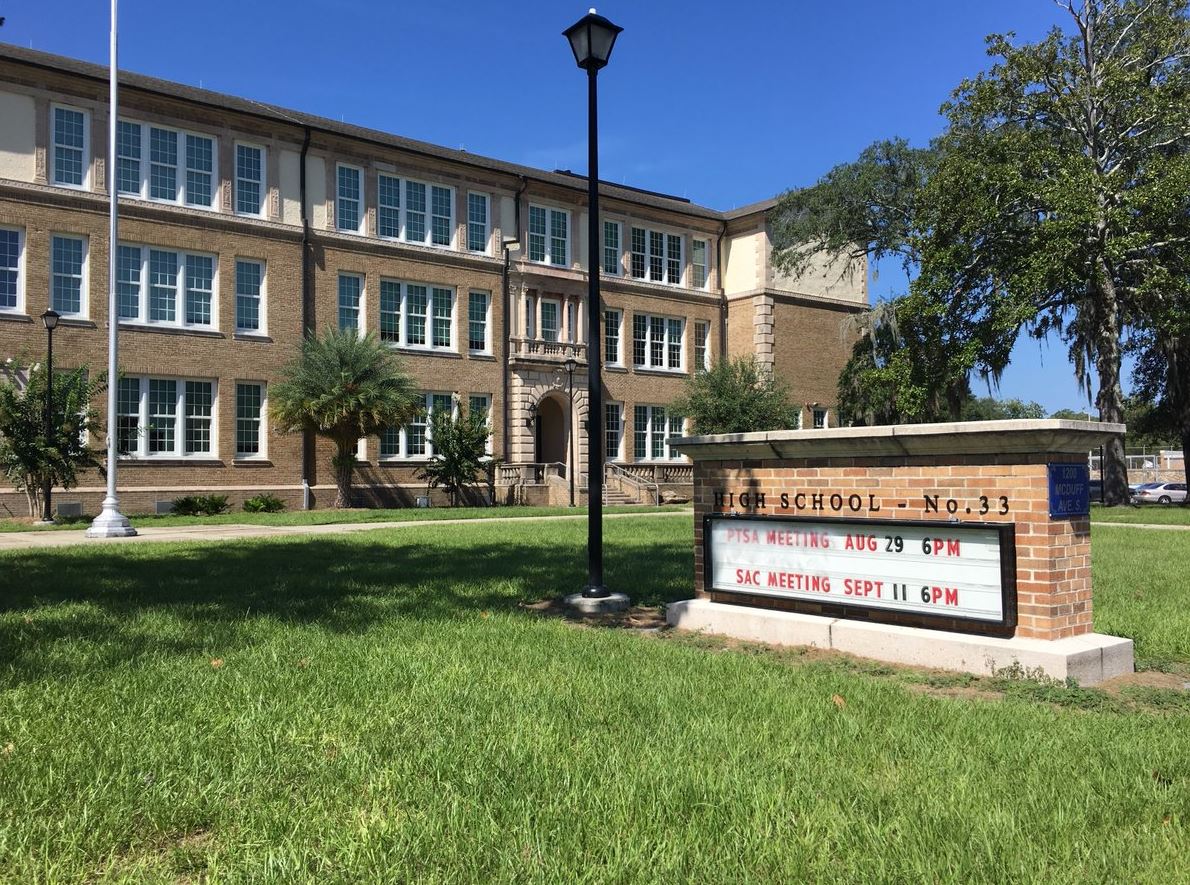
{"x": 1160, "y": 493}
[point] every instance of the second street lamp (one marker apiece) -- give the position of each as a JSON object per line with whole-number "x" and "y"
{"x": 591, "y": 39}
{"x": 50, "y": 319}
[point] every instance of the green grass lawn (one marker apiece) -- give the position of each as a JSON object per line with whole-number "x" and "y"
{"x": 1152, "y": 514}
{"x": 378, "y": 708}
{"x": 328, "y": 517}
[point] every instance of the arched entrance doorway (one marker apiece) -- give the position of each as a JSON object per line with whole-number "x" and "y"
{"x": 551, "y": 431}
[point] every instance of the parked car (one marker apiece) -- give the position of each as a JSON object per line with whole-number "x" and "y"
{"x": 1160, "y": 493}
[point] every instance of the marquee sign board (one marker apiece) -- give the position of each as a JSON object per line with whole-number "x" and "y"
{"x": 943, "y": 575}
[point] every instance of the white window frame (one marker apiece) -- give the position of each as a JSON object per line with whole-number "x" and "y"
{"x": 706, "y": 345}
{"x": 179, "y": 451}
{"x": 85, "y": 276}
{"x": 402, "y": 209}
{"x": 428, "y": 346}
{"x": 403, "y": 455}
{"x": 264, "y": 178}
{"x": 666, "y": 235}
{"x": 487, "y": 322}
{"x": 262, "y": 299}
{"x": 668, "y": 455}
{"x": 362, "y": 212}
{"x": 361, "y": 323}
{"x": 557, "y": 303}
{"x": 706, "y": 267}
{"x": 181, "y": 194}
{"x": 19, "y": 307}
{"x": 825, "y": 413}
{"x": 603, "y": 248}
{"x": 665, "y": 344}
{"x": 618, "y": 336}
{"x": 548, "y": 256}
{"x": 52, "y": 165}
{"x": 262, "y": 453}
{"x": 487, "y": 222}
{"x": 143, "y": 318}
{"x": 619, "y": 456}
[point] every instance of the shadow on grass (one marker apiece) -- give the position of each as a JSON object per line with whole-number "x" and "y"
{"x": 68, "y": 610}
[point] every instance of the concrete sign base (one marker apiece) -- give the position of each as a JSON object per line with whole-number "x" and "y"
{"x": 1089, "y": 658}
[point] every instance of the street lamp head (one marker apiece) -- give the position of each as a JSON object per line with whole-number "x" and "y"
{"x": 571, "y": 365}
{"x": 591, "y": 39}
{"x": 50, "y": 318}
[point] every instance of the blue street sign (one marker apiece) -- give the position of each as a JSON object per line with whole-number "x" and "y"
{"x": 1070, "y": 490}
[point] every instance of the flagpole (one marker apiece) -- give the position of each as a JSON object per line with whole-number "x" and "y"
{"x": 111, "y": 523}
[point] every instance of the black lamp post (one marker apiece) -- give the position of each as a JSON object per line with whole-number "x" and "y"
{"x": 591, "y": 39}
{"x": 50, "y": 318}
{"x": 572, "y": 468}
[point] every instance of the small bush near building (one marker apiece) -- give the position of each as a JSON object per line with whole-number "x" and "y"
{"x": 265, "y": 503}
{"x": 200, "y": 505}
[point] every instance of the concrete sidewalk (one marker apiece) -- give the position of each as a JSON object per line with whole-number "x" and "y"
{"x": 236, "y": 532}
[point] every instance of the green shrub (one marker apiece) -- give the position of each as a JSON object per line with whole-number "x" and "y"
{"x": 188, "y": 505}
{"x": 265, "y": 503}
{"x": 212, "y": 505}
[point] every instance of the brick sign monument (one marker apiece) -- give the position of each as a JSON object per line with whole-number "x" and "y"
{"x": 962, "y": 546}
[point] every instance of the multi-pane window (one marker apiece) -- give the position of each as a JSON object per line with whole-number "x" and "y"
{"x": 656, "y": 256}
{"x": 414, "y": 440}
{"x": 477, "y": 321}
{"x": 200, "y": 279}
{"x": 128, "y": 157}
{"x": 199, "y": 404}
{"x": 417, "y": 315}
{"x": 348, "y": 208}
{"x": 820, "y": 419}
{"x": 613, "y": 431}
{"x": 128, "y": 416}
{"x": 611, "y": 337}
{"x": 402, "y": 207}
{"x": 549, "y": 236}
{"x": 200, "y": 169}
{"x": 702, "y": 349}
{"x": 611, "y": 247}
{"x": 249, "y": 179}
{"x": 67, "y": 256}
{"x": 351, "y": 290}
{"x": 165, "y": 417}
{"x": 698, "y": 264}
{"x": 443, "y": 302}
{"x": 249, "y": 415}
{"x": 10, "y": 268}
{"x": 549, "y": 319}
{"x": 249, "y": 285}
{"x": 657, "y": 342}
{"x": 149, "y": 283}
{"x": 477, "y": 222}
{"x": 69, "y": 146}
{"x": 651, "y": 428}
{"x": 440, "y": 215}
{"x": 177, "y": 167}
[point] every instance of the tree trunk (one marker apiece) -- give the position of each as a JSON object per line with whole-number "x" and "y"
{"x": 1110, "y": 398}
{"x": 344, "y": 466}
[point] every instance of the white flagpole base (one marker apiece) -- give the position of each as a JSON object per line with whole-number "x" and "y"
{"x": 110, "y": 523}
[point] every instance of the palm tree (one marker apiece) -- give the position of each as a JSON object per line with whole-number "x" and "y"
{"x": 343, "y": 387}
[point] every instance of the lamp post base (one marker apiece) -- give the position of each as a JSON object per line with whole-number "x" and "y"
{"x": 581, "y": 603}
{"x": 110, "y": 523}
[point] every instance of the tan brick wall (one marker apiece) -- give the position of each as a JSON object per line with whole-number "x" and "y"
{"x": 1053, "y": 555}
{"x": 812, "y": 344}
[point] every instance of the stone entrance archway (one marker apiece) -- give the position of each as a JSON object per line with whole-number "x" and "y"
{"x": 550, "y": 429}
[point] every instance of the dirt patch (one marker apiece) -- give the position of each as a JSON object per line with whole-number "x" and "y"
{"x": 1147, "y": 679}
{"x": 637, "y": 617}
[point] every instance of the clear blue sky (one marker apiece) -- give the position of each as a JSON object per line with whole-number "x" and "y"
{"x": 721, "y": 102}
